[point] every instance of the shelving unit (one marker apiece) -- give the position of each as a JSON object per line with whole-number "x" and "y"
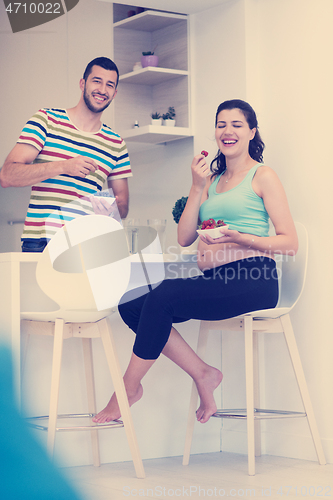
{"x": 151, "y": 89}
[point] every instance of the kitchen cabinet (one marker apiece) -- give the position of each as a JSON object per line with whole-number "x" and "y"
{"x": 152, "y": 89}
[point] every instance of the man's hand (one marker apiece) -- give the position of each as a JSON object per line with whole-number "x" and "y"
{"x": 102, "y": 206}
{"x": 19, "y": 171}
{"x": 80, "y": 166}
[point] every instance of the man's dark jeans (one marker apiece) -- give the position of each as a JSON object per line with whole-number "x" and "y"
{"x": 34, "y": 246}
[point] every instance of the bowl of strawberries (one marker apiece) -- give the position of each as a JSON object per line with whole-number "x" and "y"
{"x": 212, "y": 228}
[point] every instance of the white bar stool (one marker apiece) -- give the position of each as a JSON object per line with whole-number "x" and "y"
{"x": 80, "y": 277}
{"x": 292, "y": 278}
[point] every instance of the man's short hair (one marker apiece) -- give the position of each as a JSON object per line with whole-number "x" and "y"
{"x": 103, "y": 62}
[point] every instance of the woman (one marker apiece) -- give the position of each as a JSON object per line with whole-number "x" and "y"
{"x": 239, "y": 273}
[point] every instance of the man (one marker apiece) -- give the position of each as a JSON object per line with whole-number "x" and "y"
{"x": 67, "y": 156}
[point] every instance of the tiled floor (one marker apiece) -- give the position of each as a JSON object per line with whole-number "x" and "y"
{"x": 212, "y": 475}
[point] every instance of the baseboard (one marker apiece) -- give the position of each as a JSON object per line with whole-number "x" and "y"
{"x": 278, "y": 444}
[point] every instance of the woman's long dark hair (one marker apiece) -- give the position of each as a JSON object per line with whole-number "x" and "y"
{"x": 256, "y": 146}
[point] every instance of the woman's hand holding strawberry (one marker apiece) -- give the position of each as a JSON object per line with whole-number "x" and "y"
{"x": 200, "y": 170}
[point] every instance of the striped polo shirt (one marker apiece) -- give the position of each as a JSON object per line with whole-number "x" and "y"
{"x": 59, "y": 199}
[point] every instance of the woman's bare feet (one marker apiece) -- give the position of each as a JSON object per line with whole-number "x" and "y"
{"x": 206, "y": 387}
{"x": 112, "y": 411}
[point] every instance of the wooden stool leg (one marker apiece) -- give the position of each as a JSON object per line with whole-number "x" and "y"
{"x": 297, "y": 365}
{"x": 256, "y": 393}
{"x": 25, "y": 339}
{"x": 112, "y": 359}
{"x": 90, "y": 383}
{"x": 55, "y": 381}
{"x": 248, "y": 331}
{"x": 190, "y": 424}
{"x": 201, "y": 350}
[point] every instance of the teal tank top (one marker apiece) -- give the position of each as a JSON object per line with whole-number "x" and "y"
{"x": 240, "y": 207}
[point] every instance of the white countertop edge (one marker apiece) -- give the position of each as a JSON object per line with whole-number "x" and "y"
{"x": 148, "y": 257}
{"x": 166, "y": 257}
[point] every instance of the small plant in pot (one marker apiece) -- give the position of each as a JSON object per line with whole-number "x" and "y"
{"x": 176, "y": 214}
{"x": 169, "y": 117}
{"x": 149, "y": 59}
{"x": 156, "y": 118}
{"x": 179, "y": 208}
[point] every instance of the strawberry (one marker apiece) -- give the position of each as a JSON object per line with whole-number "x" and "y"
{"x": 211, "y": 224}
{"x": 221, "y": 223}
{"x": 203, "y": 152}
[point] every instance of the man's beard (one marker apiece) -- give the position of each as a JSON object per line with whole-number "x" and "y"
{"x": 90, "y": 104}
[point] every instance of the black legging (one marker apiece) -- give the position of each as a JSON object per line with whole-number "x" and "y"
{"x": 223, "y": 292}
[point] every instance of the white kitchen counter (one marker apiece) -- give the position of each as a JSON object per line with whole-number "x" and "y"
{"x": 18, "y": 267}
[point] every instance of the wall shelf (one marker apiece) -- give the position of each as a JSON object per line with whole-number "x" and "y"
{"x": 152, "y": 75}
{"x": 150, "y": 21}
{"x": 152, "y": 134}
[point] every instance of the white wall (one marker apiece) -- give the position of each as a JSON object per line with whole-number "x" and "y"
{"x": 276, "y": 54}
{"x": 218, "y": 60}
{"x": 295, "y": 50}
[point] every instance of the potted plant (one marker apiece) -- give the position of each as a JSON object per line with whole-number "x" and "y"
{"x": 149, "y": 59}
{"x": 156, "y": 118}
{"x": 176, "y": 213}
{"x": 169, "y": 117}
{"x": 179, "y": 208}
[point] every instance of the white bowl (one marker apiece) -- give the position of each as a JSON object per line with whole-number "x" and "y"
{"x": 109, "y": 199}
{"x": 213, "y": 233}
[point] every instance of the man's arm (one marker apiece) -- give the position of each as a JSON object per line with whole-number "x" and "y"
{"x": 120, "y": 189}
{"x": 18, "y": 170}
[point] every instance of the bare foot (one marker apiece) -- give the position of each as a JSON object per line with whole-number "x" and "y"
{"x": 206, "y": 387}
{"x": 111, "y": 411}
